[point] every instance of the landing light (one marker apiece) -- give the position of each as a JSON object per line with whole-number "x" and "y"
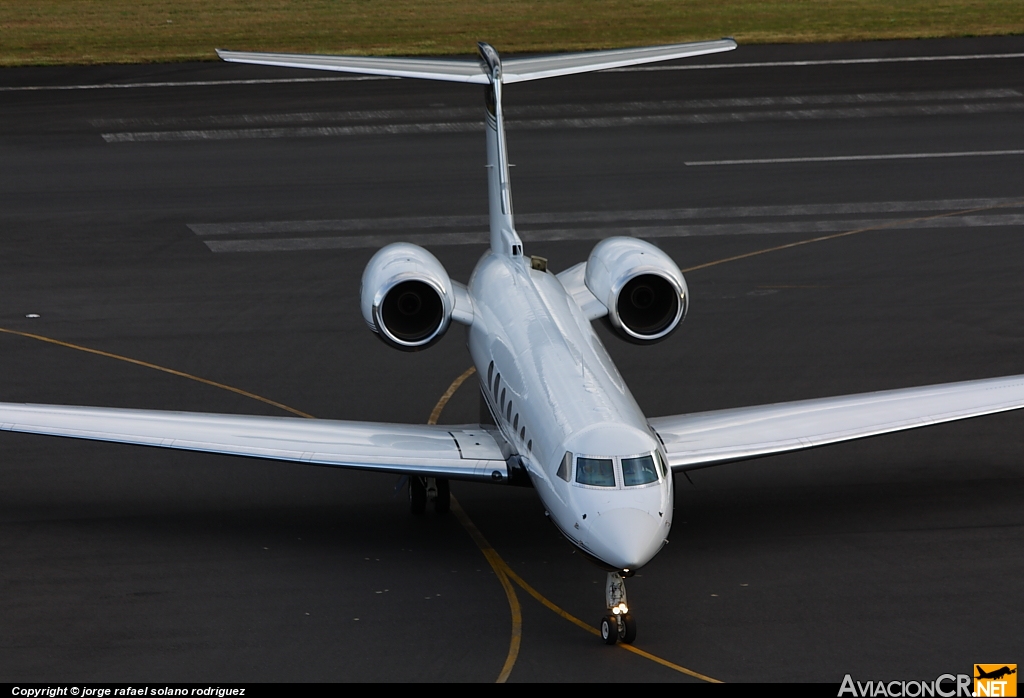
{"x": 621, "y": 608}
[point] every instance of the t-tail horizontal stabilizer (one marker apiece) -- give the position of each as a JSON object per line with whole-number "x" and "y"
{"x": 474, "y": 71}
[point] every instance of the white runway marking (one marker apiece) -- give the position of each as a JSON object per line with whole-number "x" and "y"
{"x": 847, "y": 158}
{"x": 188, "y": 83}
{"x": 527, "y": 111}
{"x": 373, "y": 233}
{"x": 420, "y": 114}
{"x": 565, "y": 123}
{"x": 294, "y": 132}
{"x": 557, "y": 235}
{"x": 575, "y": 217}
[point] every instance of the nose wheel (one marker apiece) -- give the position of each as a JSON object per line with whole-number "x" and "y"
{"x": 610, "y": 629}
{"x": 618, "y": 625}
{"x": 627, "y": 628}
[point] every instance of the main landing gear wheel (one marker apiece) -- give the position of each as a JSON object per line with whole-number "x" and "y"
{"x": 443, "y": 498}
{"x": 429, "y": 489}
{"x": 610, "y": 629}
{"x": 417, "y": 496}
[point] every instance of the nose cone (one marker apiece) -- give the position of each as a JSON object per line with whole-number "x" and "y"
{"x": 626, "y": 538}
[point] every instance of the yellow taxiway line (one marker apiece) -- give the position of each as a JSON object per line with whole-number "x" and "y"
{"x": 155, "y": 367}
{"x": 846, "y": 233}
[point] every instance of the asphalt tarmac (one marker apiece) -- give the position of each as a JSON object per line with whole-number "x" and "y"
{"x": 217, "y": 221}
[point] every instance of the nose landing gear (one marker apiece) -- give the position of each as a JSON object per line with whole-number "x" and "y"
{"x": 618, "y": 625}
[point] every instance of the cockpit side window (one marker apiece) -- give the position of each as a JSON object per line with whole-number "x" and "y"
{"x": 639, "y": 471}
{"x": 661, "y": 464}
{"x": 596, "y": 472}
{"x": 565, "y": 467}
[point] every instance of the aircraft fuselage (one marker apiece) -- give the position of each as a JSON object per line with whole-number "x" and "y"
{"x": 553, "y": 390}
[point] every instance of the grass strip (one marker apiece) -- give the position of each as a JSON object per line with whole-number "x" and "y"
{"x": 48, "y": 32}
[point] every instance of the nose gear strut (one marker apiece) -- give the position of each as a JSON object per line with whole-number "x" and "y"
{"x": 618, "y": 625}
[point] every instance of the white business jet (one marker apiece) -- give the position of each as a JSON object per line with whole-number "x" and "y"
{"x": 563, "y": 419}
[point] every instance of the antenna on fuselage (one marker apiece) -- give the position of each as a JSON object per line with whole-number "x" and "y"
{"x": 504, "y": 239}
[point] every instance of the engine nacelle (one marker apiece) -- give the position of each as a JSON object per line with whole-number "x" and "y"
{"x": 406, "y": 296}
{"x": 641, "y": 286}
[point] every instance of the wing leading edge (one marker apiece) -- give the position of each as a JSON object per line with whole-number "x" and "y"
{"x": 467, "y": 452}
{"x": 708, "y": 438}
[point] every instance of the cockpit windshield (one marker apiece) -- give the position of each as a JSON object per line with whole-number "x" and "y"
{"x": 596, "y": 472}
{"x": 634, "y": 471}
{"x": 638, "y": 471}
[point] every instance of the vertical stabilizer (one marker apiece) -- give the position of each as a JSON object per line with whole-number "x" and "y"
{"x": 504, "y": 239}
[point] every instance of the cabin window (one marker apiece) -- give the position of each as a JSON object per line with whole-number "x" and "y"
{"x": 529, "y": 446}
{"x": 515, "y": 423}
{"x": 565, "y": 467}
{"x": 501, "y": 402}
{"x": 639, "y": 471}
{"x": 490, "y": 374}
{"x": 497, "y": 384}
{"x": 522, "y": 434}
{"x": 508, "y": 412}
{"x": 596, "y": 472}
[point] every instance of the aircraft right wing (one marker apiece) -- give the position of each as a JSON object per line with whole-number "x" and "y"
{"x": 708, "y": 438}
{"x": 466, "y": 452}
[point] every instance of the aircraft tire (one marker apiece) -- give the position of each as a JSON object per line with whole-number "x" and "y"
{"x": 417, "y": 496}
{"x": 609, "y": 630}
{"x": 629, "y": 626}
{"x": 443, "y": 503}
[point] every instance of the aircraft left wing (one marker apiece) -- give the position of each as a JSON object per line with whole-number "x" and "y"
{"x": 467, "y": 452}
{"x": 708, "y": 438}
